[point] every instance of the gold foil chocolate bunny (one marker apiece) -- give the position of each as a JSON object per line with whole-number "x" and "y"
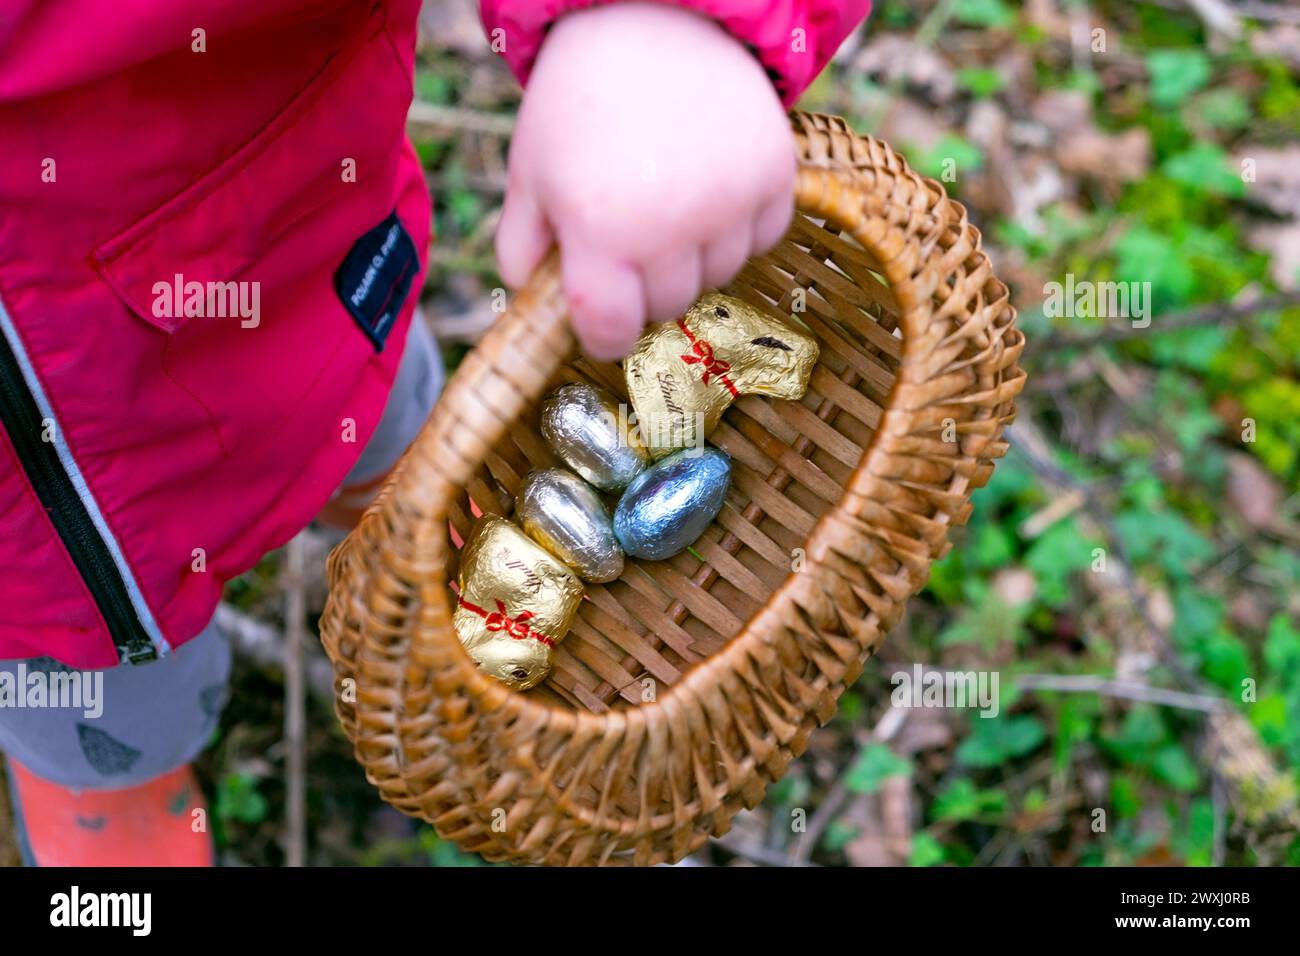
{"x": 515, "y": 605}
{"x": 682, "y": 375}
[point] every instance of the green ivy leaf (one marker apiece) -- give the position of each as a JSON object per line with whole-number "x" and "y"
{"x": 1172, "y": 766}
{"x": 1223, "y": 108}
{"x": 1199, "y": 844}
{"x": 962, "y": 800}
{"x": 1144, "y": 255}
{"x": 433, "y": 87}
{"x": 1268, "y": 716}
{"x": 838, "y": 835}
{"x": 1142, "y": 731}
{"x": 979, "y": 81}
{"x": 934, "y": 161}
{"x": 1205, "y": 168}
{"x": 926, "y": 851}
{"x": 1074, "y": 726}
{"x": 1054, "y": 556}
{"x": 781, "y": 792}
{"x": 993, "y": 546}
{"x": 996, "y": 740}
{"x": 983, "y": 13}
{"x": 1176, "y": 75}
{"x": 1124, "y": 796}
{"x": 1143, "y": 726}
{"x": 850, "y": 708}
{"x": 875, "y": 763}
{"x": 987, "y": 622}
{"x": 1195, "y": 349}
{"x": 1282, "y": 649}
{"x": 1166, "y": 537}
{"x": 1197, "y": 615}
{"x": 237, "y": 798}
{"x": 466, "y": 207}
{"x": 443, "y": 853}
{"x": 1225, "y": 660}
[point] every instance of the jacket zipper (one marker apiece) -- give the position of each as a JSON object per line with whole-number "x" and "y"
{"x": 22, "y": 420}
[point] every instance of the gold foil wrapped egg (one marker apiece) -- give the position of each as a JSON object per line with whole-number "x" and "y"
{"x": 515, "y": 605}
{"x": 591, "y": 433}
{"x": 682, "y": 375}
{"x": 563, "y": 514}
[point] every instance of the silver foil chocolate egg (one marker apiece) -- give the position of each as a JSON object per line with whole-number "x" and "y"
{"x": 668, "y": 506}
{"x": 563, "y": 514}
{"x": 588, "y": 431}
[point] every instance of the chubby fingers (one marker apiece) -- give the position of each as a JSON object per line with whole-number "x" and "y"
{"x": 725, "y": 255}
{"x": 672, "y": 282}
{"x": 772, "y": 221}
{"x": 523, "y": 237}
{"x": 610, "y": 296}
{"x": 606, "y": 296}
{"x": 606, "y": 299}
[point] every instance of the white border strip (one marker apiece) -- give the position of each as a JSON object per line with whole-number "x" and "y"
{"x": 83, "y": 490}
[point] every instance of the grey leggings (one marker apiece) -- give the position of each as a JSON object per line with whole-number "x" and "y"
{"x": 133, "y": 723}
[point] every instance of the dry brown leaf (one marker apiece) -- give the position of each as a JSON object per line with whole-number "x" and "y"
{"x": 1038, "y": 183}
{"x": 909, "y": 123}
{"x": 1047, "y": 16}
{"x": 891, "y": 58}
{"x": 1063, "y": 111}
{"x": 992, "y": 187}
{"x": 1015, "y": 586}
{"x": 1282, "y": 243}
{"x": 453, "y": 25}
{"x": 1282, "y": 41}
{"x": 1275, "y": 183}
{"x": 1249, "y": 610}
{"x": 1253, "y": 491}
{"x": 925, "y": 729}
{"x": 1081, "y": 149}
{"x": 1114, "y": 157}
{"x": 885, "y": 818}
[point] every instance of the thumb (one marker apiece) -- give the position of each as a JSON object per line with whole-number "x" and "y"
{"x": 523, "y": 238}
{"x": 606, "y": 300}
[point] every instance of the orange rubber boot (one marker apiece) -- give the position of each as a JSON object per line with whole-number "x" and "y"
{"x": 153, "y": 824}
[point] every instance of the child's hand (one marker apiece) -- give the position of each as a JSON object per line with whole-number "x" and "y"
{"x": 653, "y": 148}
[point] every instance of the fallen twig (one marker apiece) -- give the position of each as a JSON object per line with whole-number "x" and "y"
{"x": 1217, "y": 16}
{"x": 1273, "y": 12}
{"x": 762, "y": 855}
{"x": 458, "y": 118}
{"x": 263, "y": 644}
{"x": 1192, "y": 318}
{"x": 1128, "y": 690}
{"x": 295, "y": 704}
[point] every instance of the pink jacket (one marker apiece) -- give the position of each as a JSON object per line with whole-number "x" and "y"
{"x": 212, "y": 237}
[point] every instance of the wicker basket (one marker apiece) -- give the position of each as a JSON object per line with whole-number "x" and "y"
{"x": 687, "y": 686}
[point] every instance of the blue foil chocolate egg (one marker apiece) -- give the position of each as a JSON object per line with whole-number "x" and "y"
{"x": 668, "y": 506}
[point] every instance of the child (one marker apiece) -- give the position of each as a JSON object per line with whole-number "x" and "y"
{"x": 212, "y": 239}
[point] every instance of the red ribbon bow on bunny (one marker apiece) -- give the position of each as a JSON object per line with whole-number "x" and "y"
{"x": 702, "y": 353}
{"x": 500, "y": 620}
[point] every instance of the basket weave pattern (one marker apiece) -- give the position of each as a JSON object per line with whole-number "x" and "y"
{"x": 687, "y": 686}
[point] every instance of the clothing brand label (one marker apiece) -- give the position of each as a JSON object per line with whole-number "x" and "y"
{"x": 376, "y": 277}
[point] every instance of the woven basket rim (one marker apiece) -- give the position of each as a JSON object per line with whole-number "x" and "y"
{"x": 811, "y": 198}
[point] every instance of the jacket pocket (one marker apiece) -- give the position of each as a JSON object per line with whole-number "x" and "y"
{"x": 352, "y": 111}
